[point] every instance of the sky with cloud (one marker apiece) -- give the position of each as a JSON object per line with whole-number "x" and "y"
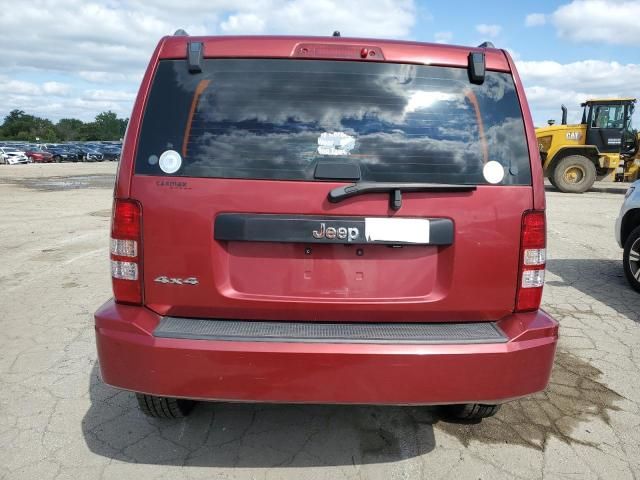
{"x": 76, "y": 58}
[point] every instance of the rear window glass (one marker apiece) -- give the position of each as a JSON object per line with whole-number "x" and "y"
{"x": 277, "y": 119}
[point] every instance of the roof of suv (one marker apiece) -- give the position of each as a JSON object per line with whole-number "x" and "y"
{"x": 331, "y": 47}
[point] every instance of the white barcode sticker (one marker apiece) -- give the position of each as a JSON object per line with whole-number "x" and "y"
{"x": 404, "y": 230}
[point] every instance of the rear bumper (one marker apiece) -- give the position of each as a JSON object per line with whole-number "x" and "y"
{"x": 132, "y": 358}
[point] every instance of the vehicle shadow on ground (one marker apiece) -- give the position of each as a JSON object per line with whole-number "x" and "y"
{"x": 255, "y": 435}
{"x": 602, "y": 280}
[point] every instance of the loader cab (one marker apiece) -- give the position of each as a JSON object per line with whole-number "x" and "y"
{"x": 608, "y": 123}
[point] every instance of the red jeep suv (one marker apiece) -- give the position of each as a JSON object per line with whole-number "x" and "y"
{"x": 327, "y": 220}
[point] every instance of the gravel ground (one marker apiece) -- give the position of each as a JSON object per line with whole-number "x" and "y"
{"x": 57, "y": 420}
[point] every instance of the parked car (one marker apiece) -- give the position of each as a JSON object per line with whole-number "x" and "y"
{"x": 12, "y": 156}
{"x": 328, "y": 220}
{"x": 628, "y": 234}
{"x": 38, "y": 155}
{"x": 109, "y": 152}
{"x": 60, "y": 153}
{"x": 91, "y": 155}
{"x": 78, "y": 150}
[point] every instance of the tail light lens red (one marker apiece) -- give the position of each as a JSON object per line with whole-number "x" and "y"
{"x": 126, "y": 252}
{"x": 533, "y": 257}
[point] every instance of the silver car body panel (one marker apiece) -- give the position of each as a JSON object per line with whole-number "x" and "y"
{"x": 631, "y": 202}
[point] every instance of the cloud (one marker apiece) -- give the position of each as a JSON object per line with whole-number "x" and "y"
{"x": 109, "y": 42}
{"x": 57, "y": 100}
{"x": 243, "y": 23}
{"x": 548, "y": 84}
{"x": 97, "y": 76}
{"x": 443, "y": 37}
{"x": 10, "y": 87}
{"x": 123, "y": 33}
{"x": 535, "y": 19}
{"x": 490, "y": 31}
{"x": 599, "y": 21}
{"x": 56, "y": 88}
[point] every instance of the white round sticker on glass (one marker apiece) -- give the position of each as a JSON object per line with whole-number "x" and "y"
{"x": 170, "y": 161}
{"x": 493, "y": 172}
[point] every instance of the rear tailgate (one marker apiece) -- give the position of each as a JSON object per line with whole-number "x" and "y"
{"x": 249, "y": 137}
{"x": 472, "y": 279}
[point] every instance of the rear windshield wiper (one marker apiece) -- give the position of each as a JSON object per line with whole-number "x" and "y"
{"x": 395, "y": 189}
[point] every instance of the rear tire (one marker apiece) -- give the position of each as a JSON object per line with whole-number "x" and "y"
{"x": 471, "y": 411}
{"x": 164, "y": 407}
{"x": 574, "y": 174}
{"x": 631, "y": 259}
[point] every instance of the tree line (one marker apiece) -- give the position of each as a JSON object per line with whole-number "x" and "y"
{"x": 19, "y": 125}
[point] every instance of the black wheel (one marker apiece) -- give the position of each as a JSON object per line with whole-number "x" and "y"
{"x": 164, "y": 407}
{"x": 57, "y": 159}
{"x": 552, "y": 181}
{"x": 471, "y": 411}
{"x": 574, "y": 174}
{"x": 631, "y": 259}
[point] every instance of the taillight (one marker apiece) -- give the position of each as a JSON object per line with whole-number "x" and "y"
{"x": 126, "y": 254}
{"x": 533, "y": 256}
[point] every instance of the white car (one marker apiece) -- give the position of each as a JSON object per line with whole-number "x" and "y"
{"x": 628, "y": 234}
{"x": 12, "y": 156}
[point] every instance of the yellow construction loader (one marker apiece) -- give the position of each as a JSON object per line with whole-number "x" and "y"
{"x": 603, "y": 146}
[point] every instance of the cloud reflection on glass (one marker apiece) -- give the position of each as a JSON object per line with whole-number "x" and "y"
{"x": 263, "y": 118}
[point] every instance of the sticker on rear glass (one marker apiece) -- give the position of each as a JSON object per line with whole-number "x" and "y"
{"x": 493, "y": 172}
{"x": 335, "y": 143}
{"x": 170, "y": 161}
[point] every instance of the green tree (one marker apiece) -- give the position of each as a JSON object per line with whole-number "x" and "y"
{"x": 20, "y": 126}
{"x": 89, "y": 131}
{"x": 44, "y": 130}
{"x": 17, "y": 122}
{"x": 69, "y": 128}
{"x": 109, "y": 126}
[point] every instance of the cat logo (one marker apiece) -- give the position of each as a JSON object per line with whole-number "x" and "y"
{"x": 574, "y": 135}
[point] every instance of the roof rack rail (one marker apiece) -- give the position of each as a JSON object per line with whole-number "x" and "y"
{"x": 180, "y": 33}
{"x": 486, "y": 45}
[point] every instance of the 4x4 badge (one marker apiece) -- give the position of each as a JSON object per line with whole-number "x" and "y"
{"x": 177, "y": 281}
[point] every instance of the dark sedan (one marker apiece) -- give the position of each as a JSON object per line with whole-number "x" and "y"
{"x": 61, "y": 153}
